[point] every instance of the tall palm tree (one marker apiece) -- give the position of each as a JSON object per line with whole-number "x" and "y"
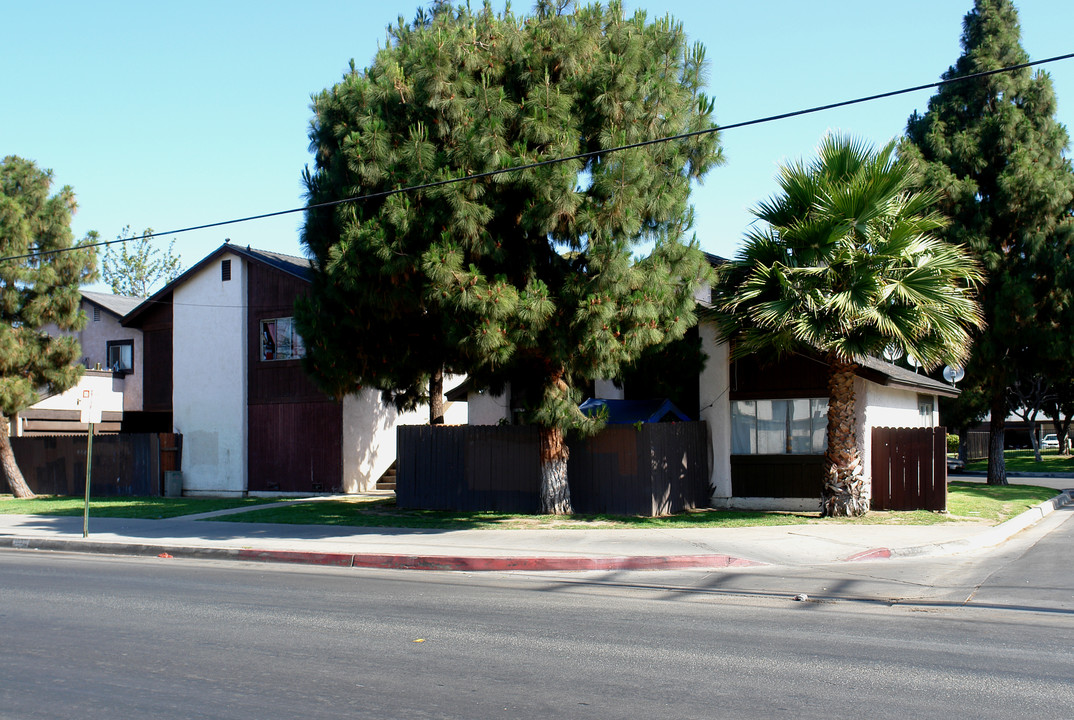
{"x": 847, "y": 264}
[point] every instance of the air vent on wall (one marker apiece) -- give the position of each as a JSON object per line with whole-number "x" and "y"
{"x": 225, "y": 270}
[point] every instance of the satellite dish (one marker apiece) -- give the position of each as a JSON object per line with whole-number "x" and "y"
{"x": 953, "y": 374}
{"x": 913, "y": 362}
{"x": 892, "y": 353}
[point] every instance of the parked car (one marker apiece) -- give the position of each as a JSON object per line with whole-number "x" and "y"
{"x": 1050, "y": 442}
{"x": 954, "y": 465}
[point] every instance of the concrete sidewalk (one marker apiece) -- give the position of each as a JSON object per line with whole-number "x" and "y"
{"x": 474, "y": 550}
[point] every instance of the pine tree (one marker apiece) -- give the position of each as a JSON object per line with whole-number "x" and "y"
{"x": 35, "y": 292}
{"x": 138, "y": 269}
{"x": 527, "y": 277}
{"x": 995, "y": 151}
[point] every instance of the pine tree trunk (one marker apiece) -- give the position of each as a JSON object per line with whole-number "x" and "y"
{"x": 997, "y": 427}
{"x": 436, "y": 398}
{"x": 844, "y": 482}
{"x": 7, "y": 461}
{"x": 555, "y": 492}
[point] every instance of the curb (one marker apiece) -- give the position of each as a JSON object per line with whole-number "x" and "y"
{"x": 389, "y": 562}
{"x": 989, "y": 538}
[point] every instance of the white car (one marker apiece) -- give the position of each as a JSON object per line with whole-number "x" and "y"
{"x": 1050, "y": 442}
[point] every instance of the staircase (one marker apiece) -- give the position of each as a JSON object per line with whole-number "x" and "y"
{"x": 387, "y": 480}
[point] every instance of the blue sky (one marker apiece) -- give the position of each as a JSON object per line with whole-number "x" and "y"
{"x": 169, "y": 115}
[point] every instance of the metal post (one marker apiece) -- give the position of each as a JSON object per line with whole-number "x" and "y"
{"x": 89, "y": 465}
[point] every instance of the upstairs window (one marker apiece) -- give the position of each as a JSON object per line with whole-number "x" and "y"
{"x": 121, "y": 356}
{"x": 779, "y": 427}
{"x": 280, "y": 340}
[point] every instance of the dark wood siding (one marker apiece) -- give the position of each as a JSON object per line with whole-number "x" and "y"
{"x": 156, "y": 326}
{"x": 272, "y": 294}
{"x": 777, "y": 476}
{"x": 296, "y": 447}
{"x": 295, "y": 430}
{"x": 792, "y": 376}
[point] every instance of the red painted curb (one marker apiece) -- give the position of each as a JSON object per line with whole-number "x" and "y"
{"x": 874, "y": 554}
{"x": 493, "y": 564}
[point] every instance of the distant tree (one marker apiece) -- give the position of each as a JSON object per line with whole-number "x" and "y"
{"x": 1060, "y": 410}
{"x": 528, "y": 277}
{"x": 138, "y": 269}
{"x": 35, "y": 292}
{"x": 1029, "y": 396}
{"x": 848, "y": 264}
{"x": 993, "y": 150}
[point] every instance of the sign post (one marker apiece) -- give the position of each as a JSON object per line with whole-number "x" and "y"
{"x": 89, "y": 416}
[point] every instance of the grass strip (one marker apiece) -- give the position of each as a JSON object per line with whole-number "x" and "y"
{"x": 1024, "y": 461}
{"x": 966, "y": 502}
{"x": 148, "y": 508}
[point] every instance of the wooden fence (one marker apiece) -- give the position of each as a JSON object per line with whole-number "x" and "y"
{"x": 976, "y": 445}
{"x": 123, "y": 465}
{"x": 657, "y": 470}
{"x": 909, "y": 468}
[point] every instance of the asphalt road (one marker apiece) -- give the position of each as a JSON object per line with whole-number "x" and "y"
{"x": 981, "y": 636}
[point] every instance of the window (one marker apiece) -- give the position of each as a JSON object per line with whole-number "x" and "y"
{"x": 779, "y": 427}
{"x": 924, "y": 409}
{"x": 121, "y": 356}
{"x": 280, "y": 341}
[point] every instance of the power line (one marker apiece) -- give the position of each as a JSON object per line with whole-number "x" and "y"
{"x": 554, "y": 161}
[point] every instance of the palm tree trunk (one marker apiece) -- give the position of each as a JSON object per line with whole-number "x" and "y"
{"x": 555, "y": 492}
{"x": 844, "y": 482}
{"x": 7, "y": 461}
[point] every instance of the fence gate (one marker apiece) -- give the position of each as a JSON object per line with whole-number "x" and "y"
{"x": 909, "y": 468}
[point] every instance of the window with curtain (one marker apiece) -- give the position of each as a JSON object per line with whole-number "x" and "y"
{"x": 779, "y": 427}
{"x": 280, "y": 340}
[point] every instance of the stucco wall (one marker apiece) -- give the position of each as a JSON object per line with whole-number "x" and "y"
{"x": 369, "y": 440}
{"x": 484, "y": 408}
{"x": 716, "y": 410}
{"x": 209, "y": 378}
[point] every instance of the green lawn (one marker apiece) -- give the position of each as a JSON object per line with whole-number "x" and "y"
{"x": 152, "y": 508}
{"x": 1023, "y": 461}
{"x": 967, "y": 502}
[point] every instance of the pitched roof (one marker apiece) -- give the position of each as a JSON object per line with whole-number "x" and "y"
{"x": 895, "y": 376}
{"x": 299, "y": 267}
{"x": 118, "y": 305}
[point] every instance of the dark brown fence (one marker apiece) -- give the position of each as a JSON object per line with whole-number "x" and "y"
{"x": 976, "y": 445}
{"x": 660, "y": 469}
{"x": 909, "y": 469}
{"x": 123, "y": 465}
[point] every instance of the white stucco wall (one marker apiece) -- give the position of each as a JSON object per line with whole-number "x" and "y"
{"x": 607, "y": 390}
{"x": 209, "y": 378}
{"x": 107, "y": 396}
{"x": 484, "y": 408}
{"x": 716, "y": 410}
{"x": 369, "y": 439}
